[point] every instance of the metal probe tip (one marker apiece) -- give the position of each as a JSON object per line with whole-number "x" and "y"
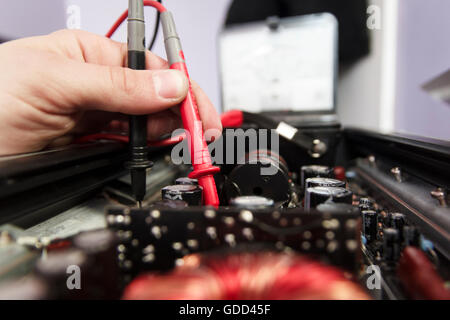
{"x": 139, "y": 204}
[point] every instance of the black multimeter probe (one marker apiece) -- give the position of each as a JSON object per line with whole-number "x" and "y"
{"x": 139, "y": 162}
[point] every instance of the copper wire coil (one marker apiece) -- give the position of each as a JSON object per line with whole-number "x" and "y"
{"x": 247, "y": 276}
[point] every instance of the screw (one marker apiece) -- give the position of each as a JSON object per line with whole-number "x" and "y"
{"x": 397, "y": 172}
{"x": 440, "y": 195}
{"x": 372, "y": 160}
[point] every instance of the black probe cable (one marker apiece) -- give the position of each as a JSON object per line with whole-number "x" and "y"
{"x": 156, "y": 28}
{"x": 139, "y": 162}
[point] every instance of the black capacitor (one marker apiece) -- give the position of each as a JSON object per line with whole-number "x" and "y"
{"x": 100, "y": 246}
{"x": 56, "y": 269}
{"x": 324, "y": 182}
{"x": 391, "y": 244}
{"x": 411, "y": 236}
{"x": 252, "y": 202}
{"x": 192, "y": 195}
{"x": 366, "y": 204}
{"x": 397, "y": 221}
{"x": 318, "y": 195}
{"x": 370, "y": 225}
{"x": 313, "y": 171}
{"x": 187, "y": 181}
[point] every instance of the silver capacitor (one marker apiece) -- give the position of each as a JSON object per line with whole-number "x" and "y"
{"x": 319, "y": 195}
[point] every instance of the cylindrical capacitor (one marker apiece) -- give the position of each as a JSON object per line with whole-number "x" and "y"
{"x": 100, "y": 247}
{"x": 192, "y": 195}
{"x": 56, "y": 269}
{"x": 187, "y": 181}
{"x": 318, "y": 195}
{"x": 397, "y": 221}
{"x": 324, "y": 182}
{"x": 314, "y": 171}
{"x": 252, "y": 202}
{"x": 391, "y": 244}
{"x": 411, "y": 236}
{"x": 366, "y": 204}
{"x": 370, "y": 225}
{"x": 263, "y": 173}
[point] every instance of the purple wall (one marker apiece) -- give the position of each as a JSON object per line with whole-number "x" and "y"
{"x": 423, "y": 53}
{"x": 24, "y": 18}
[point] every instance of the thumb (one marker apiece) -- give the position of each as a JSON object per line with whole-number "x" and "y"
{"x": 117, "y": 89}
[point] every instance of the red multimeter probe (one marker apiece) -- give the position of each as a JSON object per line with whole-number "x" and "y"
{"x": 200, "y": 156}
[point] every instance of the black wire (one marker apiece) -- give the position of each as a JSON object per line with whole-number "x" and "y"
{"x": 156, "y": 29}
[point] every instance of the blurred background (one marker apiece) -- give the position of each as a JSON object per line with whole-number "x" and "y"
{"x": 384, "y": 63}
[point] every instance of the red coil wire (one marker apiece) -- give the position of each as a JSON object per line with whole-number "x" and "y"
{"x": 247, "y": 276}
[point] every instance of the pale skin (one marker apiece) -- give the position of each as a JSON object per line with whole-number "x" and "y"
{"x": 54, "y": 88}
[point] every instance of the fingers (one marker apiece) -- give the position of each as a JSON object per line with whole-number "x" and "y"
{"x": 117, "y": 89}
{"x": 103, "y": 84}
{"x": 91, "y": 48}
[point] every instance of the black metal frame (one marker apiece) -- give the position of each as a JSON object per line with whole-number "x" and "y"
{"x": 37, "y": 186}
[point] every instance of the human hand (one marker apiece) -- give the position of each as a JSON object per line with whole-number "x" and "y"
{"x": 68, "y": 83}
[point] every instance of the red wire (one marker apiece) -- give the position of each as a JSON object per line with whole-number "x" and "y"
{"x": 230, "y": 119}
{"x": 148, "y": 3}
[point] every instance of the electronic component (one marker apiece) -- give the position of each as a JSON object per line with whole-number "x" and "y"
{"x": 391, "y": 245}
{"x": 263, "y": 174}
{"x": 397, "y": 221}
{"x": 411, "y": 236}
{"x": 324, "y": 182}
{"x": 191, "y": 194}
{"x": 187, "y": 181}
{"x": 365, "y": 204}
{"x": 313, "y": 171}
{"x": 156, "y": 238}
{"x": 318, "y": 195}
{"x": 252, "y": 202}
{"x": 370, "y": 225}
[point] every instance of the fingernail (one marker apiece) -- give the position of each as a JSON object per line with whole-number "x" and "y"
{"x": 170, "y": 84}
